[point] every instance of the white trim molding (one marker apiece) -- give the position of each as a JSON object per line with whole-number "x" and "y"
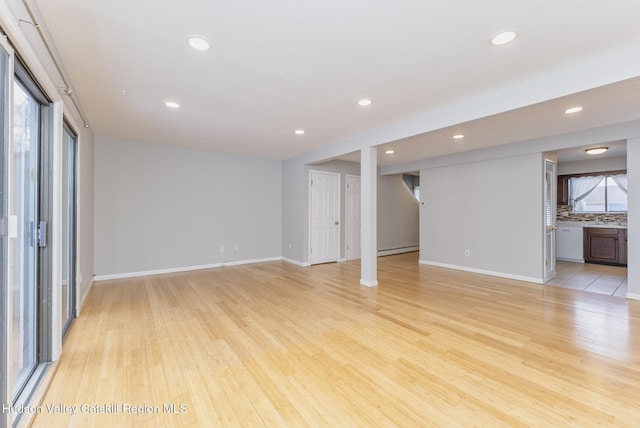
{"x": 483, "y": 272}
{"x": 368, "y": 283}
{"x": 401, "y": 250}
{"x": 633, "y": 296}
{"x": 155, "y": 272}
{"x": 252, "y": 261}
{"x": 183, "y": 269}
{"x": 296, "y": 262}
{"x": 84, "y": 298}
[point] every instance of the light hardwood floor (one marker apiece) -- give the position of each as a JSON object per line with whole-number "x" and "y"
{"x": 277, "y": 345}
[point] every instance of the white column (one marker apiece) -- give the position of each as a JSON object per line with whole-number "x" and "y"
{"x": 369, "y": 217}
{"x": 633, "y": 231}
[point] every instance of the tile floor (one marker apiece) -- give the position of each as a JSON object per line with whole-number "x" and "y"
{"x": 609, "y": 280}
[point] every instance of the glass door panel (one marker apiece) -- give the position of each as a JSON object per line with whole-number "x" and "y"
{"x": 24, "y": 276}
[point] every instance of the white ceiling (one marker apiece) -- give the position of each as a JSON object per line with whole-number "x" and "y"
{"x": 285, "y": 64}
{"x": 619, "y": 102}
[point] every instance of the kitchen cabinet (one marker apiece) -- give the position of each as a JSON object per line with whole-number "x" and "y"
{"x": 605, "y": 245}
{"x": 569, "y": 246}
{"x": 563, "y": 189}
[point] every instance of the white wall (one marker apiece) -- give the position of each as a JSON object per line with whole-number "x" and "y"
{"x": 294, "y": 212}
{"x": 593, "y": 165}
{"x": 398, "y": 221}
{"x": 167, "y": 208}
{"x": 493, "y": 208}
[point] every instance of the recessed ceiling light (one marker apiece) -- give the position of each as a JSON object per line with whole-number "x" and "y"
{"x": 364, "y": 102}
{"x": 299, "y": 131}
{"x": 389, "y": 152}
{"x": 172, "y": 104}
{"x": 573, "y": 110}
{"x": 596, "y": 150}
{"x": 198, "y": 43}
{"x": 504, "y": 37}
{"x": 458, "y": 136}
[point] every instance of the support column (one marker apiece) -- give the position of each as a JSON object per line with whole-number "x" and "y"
{"x": 633, "y": 219}
{"x": 369, "y": 217}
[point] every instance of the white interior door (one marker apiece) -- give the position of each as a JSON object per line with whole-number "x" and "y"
{"x": 352, "y": 218}
{"x": 550, "y": 201}
{"x": 325, "y": 217}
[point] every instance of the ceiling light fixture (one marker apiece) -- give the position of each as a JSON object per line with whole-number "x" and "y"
{"x": 299, "y": 131}
{"x": 504, "y": 37}
{"x": 198, "y": 43}
{"x": 573, "y": 110}
{"x": 596, "y": 150}
{"x": 458, "y": 136}
{"x": 364, "y": 102}
{"x": 172, "y": 104}
{"x": 390, "y": 152}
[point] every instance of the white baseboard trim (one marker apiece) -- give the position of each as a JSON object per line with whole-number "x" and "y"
{"x": 296, "y": 262}
{"x": 155, "y": 272}
{"x": 183, "y": 269}
{"x": 380, "y": 254}
{"x": 84, "y": 298}
{"x": 398, "y": 251}
{"x": 368, "y": 283}
{"x": 570, "y": 260}
{"x": 251, "y": 261}
{"x": 633, "y": 296}
{"x": 483, "y": 272}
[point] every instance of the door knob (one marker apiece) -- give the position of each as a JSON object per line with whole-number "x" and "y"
{"x": 337, "y": 223}
{"x": 554, "y": 227}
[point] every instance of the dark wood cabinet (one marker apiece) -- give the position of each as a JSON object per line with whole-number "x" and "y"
{"x": 563, "y": 189}
{"x": 605, "y": 245}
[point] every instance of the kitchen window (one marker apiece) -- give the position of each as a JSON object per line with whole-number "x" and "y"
{"x": 599, "y": 194}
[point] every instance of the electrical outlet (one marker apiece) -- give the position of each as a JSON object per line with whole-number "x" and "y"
{"x": 290, "y": 246}
{"x": 222, "y": 248}
{"x": 236, "y": 247}
{"x": 467, "y": 253}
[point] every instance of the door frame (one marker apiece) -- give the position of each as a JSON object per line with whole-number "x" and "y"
{"x": 549, "y": 229}
{"x": 310, "y": 231}
{"x": 6, "y": 381}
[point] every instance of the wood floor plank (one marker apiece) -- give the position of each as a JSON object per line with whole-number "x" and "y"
{"x": 275, "y": 344}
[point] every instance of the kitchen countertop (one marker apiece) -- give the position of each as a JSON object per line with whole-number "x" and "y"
{"x": 611, "y": 225}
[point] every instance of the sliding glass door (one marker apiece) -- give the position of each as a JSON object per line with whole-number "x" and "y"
{"x": 26, "y": 207}
{"x": 24, "y": 202}
{"x": 30, "y": 208}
